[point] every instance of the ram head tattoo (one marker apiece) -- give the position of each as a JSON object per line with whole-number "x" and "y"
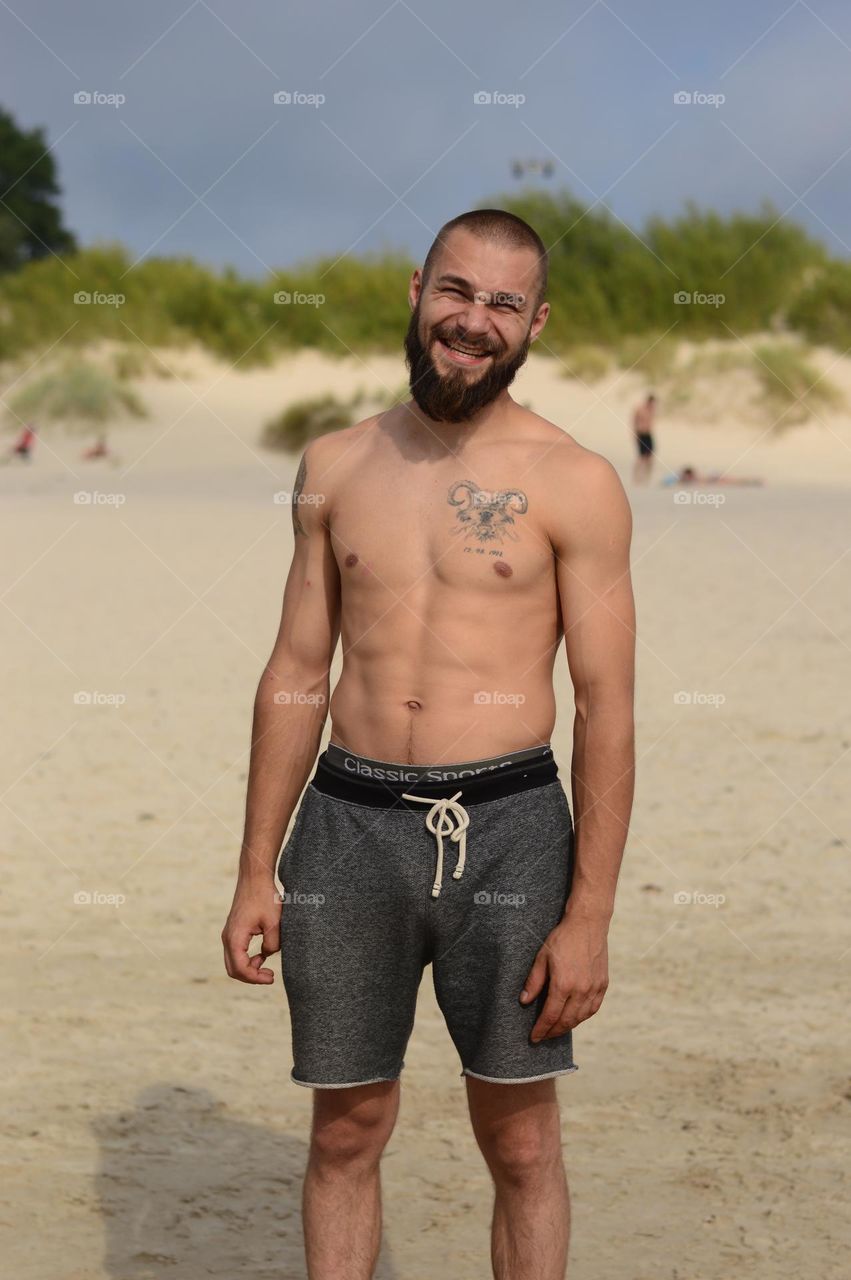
{"x": 485, "y": 516}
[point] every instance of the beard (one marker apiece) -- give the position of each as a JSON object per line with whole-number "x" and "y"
{"x": 455, "y": 396}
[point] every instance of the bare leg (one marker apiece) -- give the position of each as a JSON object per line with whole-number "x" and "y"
{"x": 518, "y": 1131}
{"x": 342, "y": 1187}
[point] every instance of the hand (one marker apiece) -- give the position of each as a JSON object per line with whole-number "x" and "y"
{"x": 574, "y": 959}
{"x": 255, "y": 910}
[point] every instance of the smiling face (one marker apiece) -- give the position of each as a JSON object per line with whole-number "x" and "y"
{"x": 473, "y": 321}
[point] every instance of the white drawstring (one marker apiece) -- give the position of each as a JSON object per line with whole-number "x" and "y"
{"x": 435, "y": 818}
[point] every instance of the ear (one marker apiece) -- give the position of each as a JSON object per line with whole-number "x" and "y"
{"x": 415, "y": 288}
{"x": 539, "y": 321}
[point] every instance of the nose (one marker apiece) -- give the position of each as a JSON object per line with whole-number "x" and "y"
{"x": 473, "y": 320}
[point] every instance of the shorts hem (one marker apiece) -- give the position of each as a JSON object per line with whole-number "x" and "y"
{"x": 546, "y": 1075}
{"x": 345, "y": 1084}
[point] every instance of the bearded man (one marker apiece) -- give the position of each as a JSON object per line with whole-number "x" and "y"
{"x": 452, "y": 542}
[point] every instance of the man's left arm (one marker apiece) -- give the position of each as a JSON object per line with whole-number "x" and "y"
{"x": 591, "y": 535}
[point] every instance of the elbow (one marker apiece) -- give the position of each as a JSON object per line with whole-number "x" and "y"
{"x": 293, "y": 681}
{"x": 613, "y": 704}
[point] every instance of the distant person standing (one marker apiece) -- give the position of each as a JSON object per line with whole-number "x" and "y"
{"x": 642, "y": 426}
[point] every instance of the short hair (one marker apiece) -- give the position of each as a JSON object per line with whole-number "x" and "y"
{"x": 499, "y": 227}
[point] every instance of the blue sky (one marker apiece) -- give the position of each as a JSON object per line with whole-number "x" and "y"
{"x": 399, "y": 145}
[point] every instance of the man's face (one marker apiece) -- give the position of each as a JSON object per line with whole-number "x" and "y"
{"x": 471, "y": 327}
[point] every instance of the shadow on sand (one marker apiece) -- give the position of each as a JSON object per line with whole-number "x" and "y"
{"x": 188, "y": 1191}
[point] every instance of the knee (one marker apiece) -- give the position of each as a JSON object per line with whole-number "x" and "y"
{"x": 521, "y": 1154}
{"x": 352, "y": 1133}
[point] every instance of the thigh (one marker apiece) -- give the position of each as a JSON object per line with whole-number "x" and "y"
{"x": 495, "y": 919}
{"x": 352, "y": 944}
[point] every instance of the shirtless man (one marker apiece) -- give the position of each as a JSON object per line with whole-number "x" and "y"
{"x": 642, "y": 427}
{"x": 454, "y": 541}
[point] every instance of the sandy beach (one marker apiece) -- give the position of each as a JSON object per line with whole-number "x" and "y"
{"x": 151, "y": 1127}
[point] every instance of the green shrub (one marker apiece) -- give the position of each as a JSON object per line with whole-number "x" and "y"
{"x": 586, "y": 362}
{"x": 654, "y": 356}
{"x": 77, "y": 393}
{"x": 822, "y": 310}
{"x": 608, "y": 284}
{"x": 793, "y": 390}
{"x": 303, "y": 420}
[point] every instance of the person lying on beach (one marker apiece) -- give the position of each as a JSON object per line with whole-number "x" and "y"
{"x": 97, "y": 450}
{"x": 688, "y": 475}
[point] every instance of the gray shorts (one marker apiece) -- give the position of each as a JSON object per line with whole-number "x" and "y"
{"x": 392, "y": 867}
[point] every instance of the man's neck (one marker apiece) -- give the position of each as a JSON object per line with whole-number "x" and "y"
{"x": 487, "y": 422}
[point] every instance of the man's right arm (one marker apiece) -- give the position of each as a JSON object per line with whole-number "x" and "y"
{"x": 289, "y": 712}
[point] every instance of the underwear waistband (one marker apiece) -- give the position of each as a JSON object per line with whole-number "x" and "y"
{"x": 383, "y": 783}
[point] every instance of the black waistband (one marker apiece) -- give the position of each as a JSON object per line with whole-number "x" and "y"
{"x": 523, "y": 776}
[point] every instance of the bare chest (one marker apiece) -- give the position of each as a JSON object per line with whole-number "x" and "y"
{"x": 477, "y": 535}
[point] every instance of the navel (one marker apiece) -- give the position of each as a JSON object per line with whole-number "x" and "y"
{"x": 414, "y": 704}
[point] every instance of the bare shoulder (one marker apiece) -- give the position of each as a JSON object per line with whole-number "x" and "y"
{"x": 327, "y": 459}
{"x": 583, "y": 497}
{"x": 323, "y": 454}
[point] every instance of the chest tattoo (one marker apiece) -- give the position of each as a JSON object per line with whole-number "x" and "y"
{"x": 483, "y": 516}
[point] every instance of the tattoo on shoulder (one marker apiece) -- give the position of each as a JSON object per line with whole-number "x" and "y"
{"x": 486, "y": 516}
{"x": 301, "y": 477}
